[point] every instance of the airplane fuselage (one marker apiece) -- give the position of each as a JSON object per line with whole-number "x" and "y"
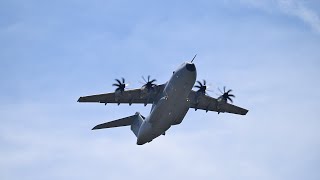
{"x": 172, "y": 106}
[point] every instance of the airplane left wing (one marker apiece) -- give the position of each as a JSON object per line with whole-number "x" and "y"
{"x": 204, "y": 102}
{"x": 129, "y": 96}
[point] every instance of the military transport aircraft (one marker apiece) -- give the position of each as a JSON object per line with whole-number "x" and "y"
{"x": 170, "y": 102}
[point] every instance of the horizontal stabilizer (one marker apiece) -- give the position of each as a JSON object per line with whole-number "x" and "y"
{"x": 117, "y": 123}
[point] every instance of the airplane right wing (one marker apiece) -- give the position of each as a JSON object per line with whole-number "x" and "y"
{"x": 204, "y": 102}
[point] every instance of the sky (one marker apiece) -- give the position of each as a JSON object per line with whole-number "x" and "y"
{"x": 53, "y": 52}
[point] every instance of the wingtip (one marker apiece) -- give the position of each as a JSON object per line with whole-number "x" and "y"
{"x": 97, "y": 127}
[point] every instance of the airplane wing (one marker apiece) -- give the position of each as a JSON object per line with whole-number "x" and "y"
{"x": 204, "y": 102}
{"x": 132, "y": 96}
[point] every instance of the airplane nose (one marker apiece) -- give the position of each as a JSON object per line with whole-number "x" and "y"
{"x": 191, "y": 67}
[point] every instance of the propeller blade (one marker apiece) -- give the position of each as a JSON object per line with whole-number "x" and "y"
{"x": 230, "y": 99}
{"x": 225, "y": 95}
{"x": 202, "y": 86}
{"x": 199, "y": 83}
{"x": 149, "y": 84}
{"x": 118, "y": 81}
{"x": 144, "y": 79}
{"x": 120, "y": 86}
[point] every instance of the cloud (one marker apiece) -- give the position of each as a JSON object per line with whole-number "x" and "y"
{"x": 298, "y": 9}
{"x": 294, "y": 8}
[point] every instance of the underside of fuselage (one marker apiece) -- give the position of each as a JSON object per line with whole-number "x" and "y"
{"x": 171, "y": 107}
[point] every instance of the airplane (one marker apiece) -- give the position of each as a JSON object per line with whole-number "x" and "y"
{"x": 170, "y": 102}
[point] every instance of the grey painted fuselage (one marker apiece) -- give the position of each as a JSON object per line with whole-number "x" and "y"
{"x": 172, "y": 105}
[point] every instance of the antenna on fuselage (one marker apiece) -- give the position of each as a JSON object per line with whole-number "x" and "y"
{"x": 193, "y": 58}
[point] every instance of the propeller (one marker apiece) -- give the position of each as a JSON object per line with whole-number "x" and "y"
{"x": 120, "y": 85}
{"x": 149, "y": 84}
{"x": 202, "y": 87}
{"x": 225, "y": 95}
